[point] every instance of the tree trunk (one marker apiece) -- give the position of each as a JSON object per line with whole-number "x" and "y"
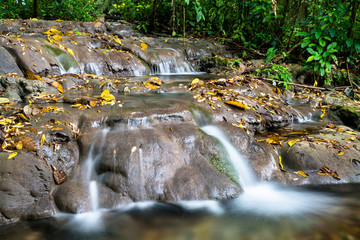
{"x": 173, "y": 18}
{"x": 36, "y": 8}
{"x": 355, "y": 5}
{"x": 152, "y": 21}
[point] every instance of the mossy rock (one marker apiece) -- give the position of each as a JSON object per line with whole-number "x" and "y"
{"x": 350, "y": 116}
{"x": 224, "y": 167}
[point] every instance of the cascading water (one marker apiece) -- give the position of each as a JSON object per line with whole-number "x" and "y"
{"x": 90, "y": 162}
{"x": 266, "y": 199}
{"x": 245, "y": 176}
{"x": 170, "y": 63}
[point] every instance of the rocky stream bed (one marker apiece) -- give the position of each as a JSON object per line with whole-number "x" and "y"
{"x": 67, "y": 95}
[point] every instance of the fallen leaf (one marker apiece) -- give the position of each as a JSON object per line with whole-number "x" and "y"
{"x": 151, "y": 86}
{"x": 58, "y": 86}
{"x": 195, "y": 81}
{"x": 32, "y": 76}
{"x": 107, "y": 96}
{"x": 238, "y": 104}
{"x": 59, "y": 176}
{"x": 340, "y": 153}
{"x": 42, "y": 140}
{"x": 281, "y": 165}
{"x": 70, "y": 51}
{"x": 53, "y": 31}
{"x": 117, "y": 40}
{"x": 57, "y": 38}
{"x": 303, "y": 174}
{"x": 92, "y": 103}
{"x": 143, "y": 46}
{"x": 12, "y": 155}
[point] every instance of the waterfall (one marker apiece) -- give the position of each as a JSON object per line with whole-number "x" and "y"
{"x": 90, "y": 162}
{"x": 246, "y": 175}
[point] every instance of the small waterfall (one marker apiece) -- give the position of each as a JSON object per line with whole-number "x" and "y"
{"x": 246, "y": 175}
{"x": 90, "y": 162}
{"x": 65, "y": 60}
{"x": 170, "y": 62}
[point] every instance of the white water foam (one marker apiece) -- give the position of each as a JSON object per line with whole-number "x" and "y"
{"x": 246, "y": 175}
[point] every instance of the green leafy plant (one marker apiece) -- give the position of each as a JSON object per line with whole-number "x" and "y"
{"x": 280, "y": 73}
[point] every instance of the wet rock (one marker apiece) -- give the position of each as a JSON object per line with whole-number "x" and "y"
{"x": 350, "y": 116}
{"x": 334, "y": 148}
{"x": 25, "y": 187}
{"x": 73, "y": 197}
{"x": 8, "y": 63}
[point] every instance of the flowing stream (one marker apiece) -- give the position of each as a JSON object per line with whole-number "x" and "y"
{"x": 262, "y": 211}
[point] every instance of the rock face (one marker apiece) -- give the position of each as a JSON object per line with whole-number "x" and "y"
{"x": 26, "y": 184}
{"x": 338, "y": 149}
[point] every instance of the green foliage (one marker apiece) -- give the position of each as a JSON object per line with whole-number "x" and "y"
{"x": 327, "y": 37}
{"x": 270, "y": 54}
{"x": 280, "y": 73}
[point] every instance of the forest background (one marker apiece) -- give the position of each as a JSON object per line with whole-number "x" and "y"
{"x": 323, "y": 35}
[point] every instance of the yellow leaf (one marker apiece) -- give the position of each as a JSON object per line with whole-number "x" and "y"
{"x": 53, "y": 31}
{"x": 6, "y": 121}
{"x": 351, "y": 132}
{"x": 340, "y": 153}
{"x": 323, "y": 113}
{"x": 143, "y": 46}
{"x": 281, "y": 165}
{"x": 195, "y": 81}
{"x": 107, "y": 96}
{"x": 19, "y": 145}
{"x": 31, "y": 75}
{"x": 117, "y": 40}
{"x": 12, "y": 155}
{"x": 70, "y": 51}
{"x": 151, "y": 86}
{"x": 57, "y": 38}
{"x": 92, "y": 103}
{"x": 58, "y": 86}
{"x": 302, "y": 173}
{"x": 133, "y": 149}
{"x": 76, "y": 105}
{"x": 238, "y": 104}
{"x": 292, "y": 142}
{"x": 42, "y": 140}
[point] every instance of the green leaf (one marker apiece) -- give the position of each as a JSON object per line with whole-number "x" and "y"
{"x": 312, "y": 51}
{"x": 310, "y": 58}
{"x": 305, "y": 43}
{"x": 327, "y": 38}
{"x": 304, "y": 34}
{"x": 332, "y": 32}
{"x": 319, "y": 49}
{"x": 334, "y": 58}
{"x": 357, "y": 47}
{"x": 316, "y": 67}
{"x": 317, "y": 57}
{"x": 322, "y": 71}
{"x": 317, "y": 34}
{"x": 324, "y": 26}
{"x": 349, "y": 42}
{"x": 328, "y": 66}
{"x": 331, "y": 45}
{"x": 322, "y": 42}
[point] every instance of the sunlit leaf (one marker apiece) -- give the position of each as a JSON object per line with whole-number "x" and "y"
{"x": 281, "y": 165}
{"x": 53, "y": 31}
{"x": 12, "y": 155}
{"x": 107, "y": 96}
{"x": 57, "y": 38}
{"x": 303, "y": 174}
{"x": 19, "y": 145}
{"x": 58, "y": 86}
{"x": 238, "y": 104}
{"x": 340, "y": 153}
{"x": 195, "y": 81}
{"x": 151, "y": 86}
{"x": 117, "y": 40}
{"x": 323, "y": 113}
{"x": 143, "y": 46}
{"x": 351, "y": 132}
{"x": 42, "y": 140}
{"x": 70, "y": 51}
{"x": 92, "y": 103}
